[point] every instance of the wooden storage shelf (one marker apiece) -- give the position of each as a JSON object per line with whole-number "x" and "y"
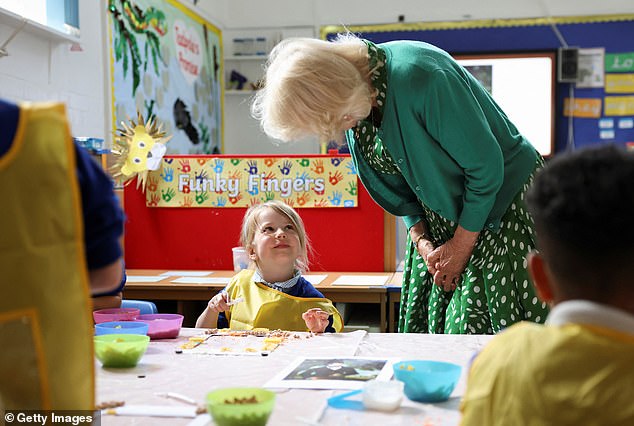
{"x": 233, "y": 92}
{"x": 246, "y": 57}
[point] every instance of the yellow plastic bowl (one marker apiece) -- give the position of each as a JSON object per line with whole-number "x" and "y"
{"x": 120, "y": 350}
{"x": 240, "y": 406}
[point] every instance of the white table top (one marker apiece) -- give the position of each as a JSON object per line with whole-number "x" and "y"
{"x": 194, "y": 375}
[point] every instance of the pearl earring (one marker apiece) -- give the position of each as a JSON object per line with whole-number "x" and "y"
{"x": 347, "y": 117}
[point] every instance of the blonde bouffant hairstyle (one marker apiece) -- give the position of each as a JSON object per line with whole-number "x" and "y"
{"x": 310, "y": 85}
{"x": 250, "y": 225}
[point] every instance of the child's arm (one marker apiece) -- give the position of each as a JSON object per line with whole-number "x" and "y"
{"x": 305, "y": 289}
{"x": 106, "y": 302}
{"x": 209, "y": 317}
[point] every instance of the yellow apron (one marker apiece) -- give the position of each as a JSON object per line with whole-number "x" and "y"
{"x": 46, "y": 361}
{"x": 548, "y": 375}
{"x": 264, "y": 307}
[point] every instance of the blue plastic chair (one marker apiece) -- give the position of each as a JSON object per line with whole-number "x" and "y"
{"x": 144, "y": 306}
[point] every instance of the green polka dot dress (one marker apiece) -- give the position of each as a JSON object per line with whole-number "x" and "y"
{"x": 495, "y": 291}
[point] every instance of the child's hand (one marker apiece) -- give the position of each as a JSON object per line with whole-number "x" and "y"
{"x": 316, "y": 319}
{"x": 219, "y": 303}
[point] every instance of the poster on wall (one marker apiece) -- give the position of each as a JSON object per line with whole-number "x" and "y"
{"x": 165, "y": 63}
{"x": 591, "y": 64}
{"x": 219, "y": 182}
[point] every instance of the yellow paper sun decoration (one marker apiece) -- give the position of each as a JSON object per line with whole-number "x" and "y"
{"x": 139, "y": 148}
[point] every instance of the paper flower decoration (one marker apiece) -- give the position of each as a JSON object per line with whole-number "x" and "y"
{"x": 139, "y": 147}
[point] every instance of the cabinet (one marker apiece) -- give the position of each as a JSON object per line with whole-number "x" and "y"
{"x": 246, "y": 52}
{"x": 247, "y": 67}
{"x": 242, "y": 133}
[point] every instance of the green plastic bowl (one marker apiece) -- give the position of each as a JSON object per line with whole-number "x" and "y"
{"x": 240, "y": 406}
{"x": 120, "y": 350}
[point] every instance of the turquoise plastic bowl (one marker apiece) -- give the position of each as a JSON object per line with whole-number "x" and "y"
{"x": 427, "y": 381}
{"x": 121, "y": 327}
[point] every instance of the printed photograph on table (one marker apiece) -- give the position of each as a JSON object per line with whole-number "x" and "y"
{"x": 165, "y": 63}
{"x": 241, "y": 182}
{"x": 332, "y": 373}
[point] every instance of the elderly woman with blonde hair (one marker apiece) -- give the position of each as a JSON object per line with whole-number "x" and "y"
{"x": 431, "y": 146}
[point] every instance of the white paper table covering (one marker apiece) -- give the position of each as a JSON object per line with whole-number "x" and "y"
{"x": 162, "y": 370}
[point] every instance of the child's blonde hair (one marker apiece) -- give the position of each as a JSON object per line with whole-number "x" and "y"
{"x": 309, "y": 86}
{"x": 250, "y": 226}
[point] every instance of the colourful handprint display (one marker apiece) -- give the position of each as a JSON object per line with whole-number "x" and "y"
{"x": 214, "y": 182}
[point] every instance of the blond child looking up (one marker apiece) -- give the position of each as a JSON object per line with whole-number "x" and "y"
{"x": 274, "y": 294}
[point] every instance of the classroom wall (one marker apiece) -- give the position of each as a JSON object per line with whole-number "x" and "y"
{"x": 306, "y": 18}
{"x": 293, "y": 13}
{"x": 47, "y": 68}
{"x": 40, "y": 69}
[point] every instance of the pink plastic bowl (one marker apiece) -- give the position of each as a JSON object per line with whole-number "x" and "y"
{"x": 162, "y": 326}
{"x": 115, "y": 314}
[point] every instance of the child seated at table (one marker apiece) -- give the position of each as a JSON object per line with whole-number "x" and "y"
{"x": 576, "y": 369}
{"x": 60, "y": 225}
{"x": 274, "y": 295}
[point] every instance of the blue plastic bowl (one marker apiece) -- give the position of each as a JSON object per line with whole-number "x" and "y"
{"x": 427, "y": 381}
{"x": 121, "y": 327}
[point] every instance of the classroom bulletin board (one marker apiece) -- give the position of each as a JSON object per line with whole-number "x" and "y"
{"x": 166, "y": 63}
{"x": 609, "y": 115}
{"x": 239, "y": 181}
{"x": 346, "y": 239}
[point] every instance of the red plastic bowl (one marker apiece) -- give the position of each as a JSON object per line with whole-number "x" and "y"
{"x": 115, "y": 314}
{"x": 162, "y": 326}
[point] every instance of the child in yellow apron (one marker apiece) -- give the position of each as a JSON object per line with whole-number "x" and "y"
{"x": 274, "y": 295}
{"x": 578, "y": 369}
{"x": 46, "y": 359}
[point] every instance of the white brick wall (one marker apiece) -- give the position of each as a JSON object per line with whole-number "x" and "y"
{"x": 45, "y": 69}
